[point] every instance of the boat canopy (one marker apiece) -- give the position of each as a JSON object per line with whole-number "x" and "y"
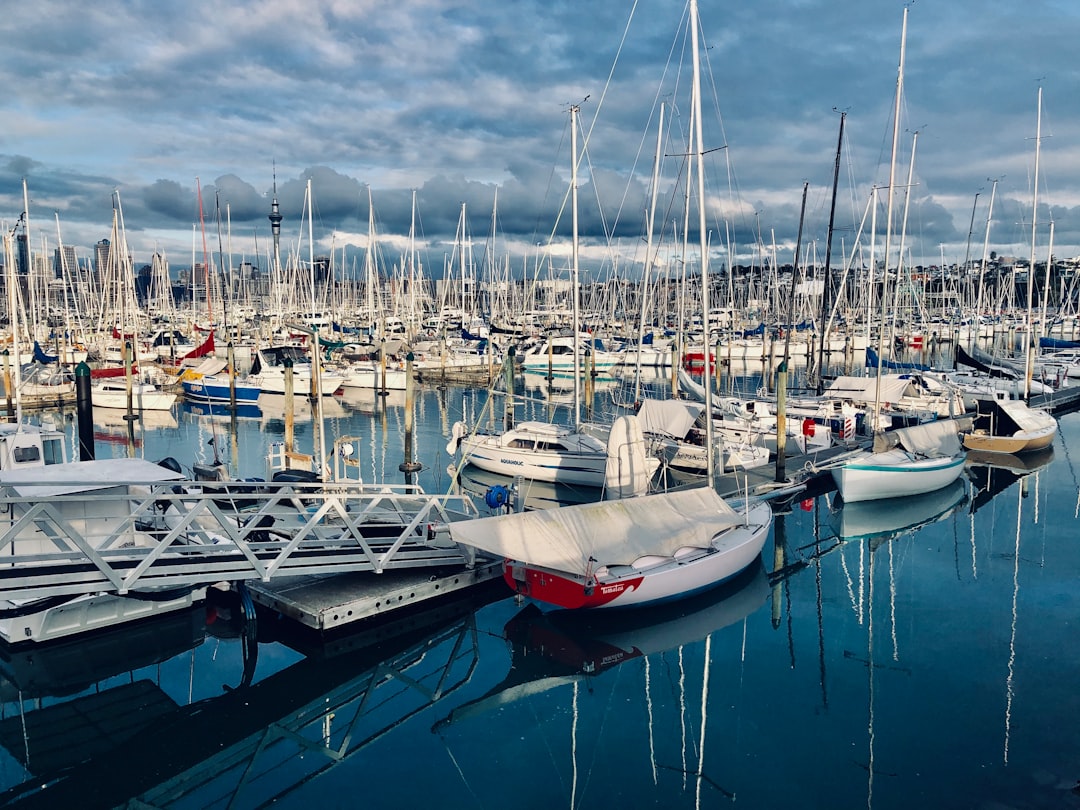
{"x": 579, "y": 539}
{"x": 939, "y": 439}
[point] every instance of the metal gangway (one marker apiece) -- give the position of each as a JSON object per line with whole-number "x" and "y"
{"x": 138, "y": 539}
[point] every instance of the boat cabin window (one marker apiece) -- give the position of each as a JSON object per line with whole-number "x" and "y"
{"x": 26, "y": 455}
{"x": 53, "y": 450}
{"x": 522, "y": 444}
{"x": 554, "y": 447}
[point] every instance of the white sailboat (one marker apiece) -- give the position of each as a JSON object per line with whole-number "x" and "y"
{"x": 913, "y": 460}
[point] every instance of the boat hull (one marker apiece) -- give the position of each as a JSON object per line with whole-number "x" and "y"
{"x": 581, "y": 469}
{"x": 206, "y": 390}
{"x": 1021, "y": 442}
{"x": 92, "y": 612}
{"x": 893, "y": 474}
{"x": 652, "y": 580}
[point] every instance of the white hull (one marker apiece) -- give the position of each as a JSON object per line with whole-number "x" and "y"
{"x": 85, "y": 613}
{"x": 894, "y": 474}
{"x": 143, "y": 397}
{"x": 651, "y": 580}
{"x": 582, "y": 468}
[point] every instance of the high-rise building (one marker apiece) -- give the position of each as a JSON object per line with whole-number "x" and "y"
{"x": 102, "y": 251}
{"x": 65, "y": 263}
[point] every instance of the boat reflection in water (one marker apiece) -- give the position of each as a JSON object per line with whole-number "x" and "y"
{"x": 370, "y": 400}
{"x": 48, "y": 739}
{"x": 222, "y": 412}
{"x": 550, "y": 649}
{"x": 498, "y": 490}
{"x": 893, "y": 517}
{"x": 256, "y": 743}
{"x": 993, "y": 473}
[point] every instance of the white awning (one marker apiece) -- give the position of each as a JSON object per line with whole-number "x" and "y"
{"x": 608, "y": 533}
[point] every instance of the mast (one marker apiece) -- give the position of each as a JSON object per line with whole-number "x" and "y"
{"x": 316, "y": 375}
{"x": 827, "y": 275}
{"x": 1028, "y": 353}
{"x": 982, "y": 264}
{"x": 574, "y": 271}
{"x": 703, "y": 241}
{"x": 889, "y": 210}
{"x": 643, "y": 295}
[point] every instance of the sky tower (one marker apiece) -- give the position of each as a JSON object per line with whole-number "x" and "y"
{"x": 275, "y": 226}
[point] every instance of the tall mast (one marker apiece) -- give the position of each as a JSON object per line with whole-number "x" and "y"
{"x": 889, "y": 210}
{"x": 699, "y": 152}
{"x": 982, "y": 264}
{"x": 826, "y": 276}
{"x": 575, "y": 276}
{"x": 1028, "y": 359}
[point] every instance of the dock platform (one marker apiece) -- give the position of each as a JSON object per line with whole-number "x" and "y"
{"x": 328, "y": 602}
{"x": 1060, "y": 401}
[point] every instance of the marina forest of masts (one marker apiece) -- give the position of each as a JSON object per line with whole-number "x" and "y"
{"x": 63, "y": 296}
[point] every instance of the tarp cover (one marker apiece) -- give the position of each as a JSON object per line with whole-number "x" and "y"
{"x": 609, "y": 532}
{"x": 864, "y": 389}
{"x": 932, "y": 439}
{"x": 1025, "y": 418}
{"x": 670, "y": 417}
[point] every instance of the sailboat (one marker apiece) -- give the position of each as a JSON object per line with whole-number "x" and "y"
{"x": 553, "y": 453}
{"x": 632, "y": 552}
{"x": 1010, "y": 426}
{"x": 912, "y": 460}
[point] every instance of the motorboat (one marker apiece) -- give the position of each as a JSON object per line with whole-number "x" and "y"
{"x": 542, "y": 451}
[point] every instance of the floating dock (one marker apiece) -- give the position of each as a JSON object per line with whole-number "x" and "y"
{"x": 329, "y": 602}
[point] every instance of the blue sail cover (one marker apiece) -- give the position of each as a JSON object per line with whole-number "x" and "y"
{"x": 892, "y": 365}
{"x": 41, "y": 357}
{"x": 1058, "y": 343}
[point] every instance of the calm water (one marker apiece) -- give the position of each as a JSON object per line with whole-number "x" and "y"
{"x": 919, "y": 655}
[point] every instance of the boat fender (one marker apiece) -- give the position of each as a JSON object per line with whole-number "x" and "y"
{"x": 497, "y": 496}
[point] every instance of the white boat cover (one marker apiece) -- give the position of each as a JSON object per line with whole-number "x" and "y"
{"x": 669, "y": 417}
{"x": 1026, "y": 418}
{"x": 627, "y": 472}
{"x": 607, "y": 533}
{"x": 864, "y": 389}
{"x": 74, "y": 477}
{"x": 939, "y": 439}
{"x": 209, "y": 365}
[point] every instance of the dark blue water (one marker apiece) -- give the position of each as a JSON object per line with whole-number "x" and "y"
{"x": 907, "y": 655}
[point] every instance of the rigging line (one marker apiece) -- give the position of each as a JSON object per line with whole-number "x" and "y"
{"x": 461, "y": 773}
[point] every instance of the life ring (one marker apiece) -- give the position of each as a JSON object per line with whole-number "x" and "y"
{"x": 808, "y": 427}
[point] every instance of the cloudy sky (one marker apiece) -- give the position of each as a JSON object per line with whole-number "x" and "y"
{"x": 458, "y": 101}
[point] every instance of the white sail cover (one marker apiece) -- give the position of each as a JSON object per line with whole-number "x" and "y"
{"x": 668, "y": 417}
{"x": 627, "y": 471}
{"x": 931, "y": 439}
{"x": 864, "y": 389}
{"x": 609, "y": 532}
